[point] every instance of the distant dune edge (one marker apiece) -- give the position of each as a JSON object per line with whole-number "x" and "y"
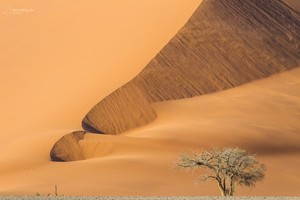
{"x": 223, "y": 45}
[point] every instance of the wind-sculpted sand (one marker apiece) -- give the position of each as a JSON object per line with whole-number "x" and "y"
{"x": 67, "y": 148}
{"x": 223, "y": 45}
{"x": 56, "y": 63}
{"x": 262, "y": 117}
{"x": 294, "y": 4}
{"x": 58, "y": 58}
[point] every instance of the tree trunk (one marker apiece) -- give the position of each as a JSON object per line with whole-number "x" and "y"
{"x": 224, "y": 187}
{"x": 231, "y": 191}
{"x": 221, "y": 188}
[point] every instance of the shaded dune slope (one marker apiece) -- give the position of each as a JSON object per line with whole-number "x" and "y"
{"x": 223, "y": 45}
{"x": 67, "y": 148}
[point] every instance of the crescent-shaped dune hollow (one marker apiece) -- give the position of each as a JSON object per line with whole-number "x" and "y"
{"x": 223, "y": 45}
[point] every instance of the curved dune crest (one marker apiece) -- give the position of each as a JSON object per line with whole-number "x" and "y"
{"x": 60, "y": 60}
{"x": 131, "y": 110}
{"x": 67, "y": 148}
{"x": 223, "y": 45}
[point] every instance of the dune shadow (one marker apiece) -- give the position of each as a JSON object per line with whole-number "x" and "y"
{"x": 89, "y": 128}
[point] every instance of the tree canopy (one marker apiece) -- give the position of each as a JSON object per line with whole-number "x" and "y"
{"x": 230, "y": 167}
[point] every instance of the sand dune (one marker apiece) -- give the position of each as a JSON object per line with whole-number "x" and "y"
{"x": 294, "y": 4}
{"x": 71, "y": 142}
{"x": 56, "y": 63}
{"x": 223, "y": 45}
{"x": 58, "y": 58}
{"x": 262, "y": 117}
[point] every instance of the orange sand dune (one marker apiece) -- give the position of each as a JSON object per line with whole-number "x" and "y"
{"x": 58, "y": 58}
{"x": 224, "y": 44}
{"x": 293, "y": 3}
{"x": 262, "y": 117}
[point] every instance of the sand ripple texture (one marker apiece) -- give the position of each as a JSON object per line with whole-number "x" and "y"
{"x": 223, "y": 45}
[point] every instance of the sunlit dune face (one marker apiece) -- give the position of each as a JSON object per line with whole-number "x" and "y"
{"x": 59, "y": 58}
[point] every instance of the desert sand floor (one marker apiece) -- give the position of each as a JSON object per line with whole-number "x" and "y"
{"x": 262, "y": 117}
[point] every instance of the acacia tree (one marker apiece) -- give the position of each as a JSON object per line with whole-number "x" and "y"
{"x": 229, "y": 167}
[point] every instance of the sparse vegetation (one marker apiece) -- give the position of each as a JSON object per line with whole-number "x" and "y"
{"x": 49, "y": 194}
{"x": 56, "y": 194}
{"x": 229, "y": 167}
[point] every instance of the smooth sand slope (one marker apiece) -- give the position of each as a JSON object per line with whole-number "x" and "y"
{"x": 262, "y": 117}
{"x": 58, "y": 58}
{"x": 223, "y": 45}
